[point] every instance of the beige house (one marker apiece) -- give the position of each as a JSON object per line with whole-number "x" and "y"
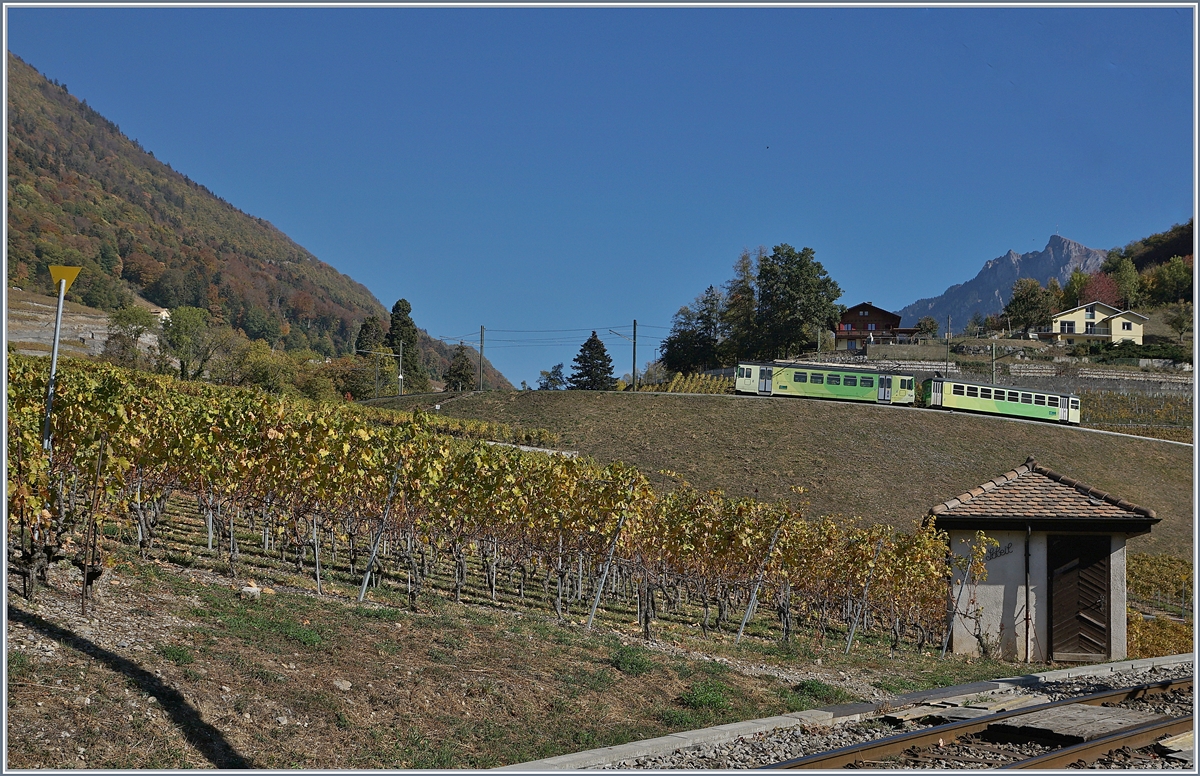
{"x": 1095, "y": 322}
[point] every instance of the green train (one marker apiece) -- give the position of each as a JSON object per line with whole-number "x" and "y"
{"x": 848, "y": 384}
{"x": 824, "y": 382}
{"x": 1010, "y": 400}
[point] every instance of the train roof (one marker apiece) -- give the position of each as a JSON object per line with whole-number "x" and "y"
{"x": 823, "y": 367}
{"x": 1005, "y": 387}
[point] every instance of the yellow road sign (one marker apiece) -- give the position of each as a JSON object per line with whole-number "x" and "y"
{"x": 59, "y": 273}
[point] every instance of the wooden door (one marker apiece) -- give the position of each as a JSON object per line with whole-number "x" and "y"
{"x": 1079, "y": 597}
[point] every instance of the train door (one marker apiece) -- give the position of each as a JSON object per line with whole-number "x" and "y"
{"x": 935, "y": 393}
{"x": 885, "y": 389}
{"x": 764, "y": 379}
{"x": 1064, "y": 409}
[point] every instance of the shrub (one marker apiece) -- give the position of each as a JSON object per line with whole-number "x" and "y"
{"x": 631, "y": 660}
{"x": 708, "y": 694}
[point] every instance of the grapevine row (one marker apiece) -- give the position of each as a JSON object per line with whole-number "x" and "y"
{"x": 309, "y": 478}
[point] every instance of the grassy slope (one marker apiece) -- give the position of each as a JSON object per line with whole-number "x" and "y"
{"x": 879, "y": 463}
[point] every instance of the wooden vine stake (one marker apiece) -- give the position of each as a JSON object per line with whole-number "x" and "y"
{"x": 362, "y": 591}
{"x": 612, "y": 547}
{"x": 762, "y": 570}
{"x": 862, "y": 606}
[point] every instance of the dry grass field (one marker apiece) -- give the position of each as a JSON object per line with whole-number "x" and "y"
{"x": 861, "y": 461}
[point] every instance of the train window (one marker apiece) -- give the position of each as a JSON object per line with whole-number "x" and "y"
{"x": 959, "y": 390}
{"x": 1027, "y": 398}
{"x": 850, "y": 380}
{"x": 834, "y": 380}
{"x": 817, "y": 379}
{"x": 739, "y": 373}
{"x": 985, "y": 393}
{"x": 1074, "y": 404}
{"x": 972, "y": 391}
{"x": 1040, "y": 400}
{"x": 800, "y": 377}
{"x": 1052, "y": 401}
{"x": 910, "y": 383}
{"x": 1014, "y": 397}
{"x": 867, "y": 382}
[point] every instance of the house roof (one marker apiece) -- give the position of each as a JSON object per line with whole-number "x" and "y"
{"x": 1098, "y": 303}
{"x": 862, "y": 305}
{"x": 1033, "y": 493}
{"x": 1126, "y": 312}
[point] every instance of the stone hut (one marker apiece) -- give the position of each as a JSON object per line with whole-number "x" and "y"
{"x": 1055, "y": 583}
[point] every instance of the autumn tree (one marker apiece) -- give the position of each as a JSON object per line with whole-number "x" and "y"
{"x": 1180, "y": 318}
{"x": 592, "y": 367}
{"x": 1072, "y": 293}
{"x": 795, "y": 297}
{"x": 188, "y": 338}
{"x": 1172, "y": 280}
{"x": 552, "y": 379}
{"x": 1029, "y": 306}
{"x": 126, "y": 327}
{"x": 927, "y": 327}
{"x": 1100, "y": 288}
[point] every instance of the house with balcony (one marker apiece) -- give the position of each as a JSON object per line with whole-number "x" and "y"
{"x": 865, "y": 324}
{"x": 1095, "y": 322}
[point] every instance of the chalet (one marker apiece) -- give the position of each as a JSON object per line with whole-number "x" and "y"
{"x": 1095, "y": 322}
{"x": 1055, "y": 582}
{"x": 865, "y": 324}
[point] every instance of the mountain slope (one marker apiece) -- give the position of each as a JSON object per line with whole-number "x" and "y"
{"x": 989, "y": 290}
{"x": 82, "y": 193}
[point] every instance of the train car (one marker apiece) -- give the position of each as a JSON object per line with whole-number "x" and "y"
{"x": 824, "y": 382}
{"x": 1010, "y": 400}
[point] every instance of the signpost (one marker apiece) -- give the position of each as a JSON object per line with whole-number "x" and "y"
{"x": 63, "y": 277}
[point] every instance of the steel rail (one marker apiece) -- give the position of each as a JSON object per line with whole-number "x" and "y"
{"x": 893, "y": 745}
{"x": 1090, "y": 751}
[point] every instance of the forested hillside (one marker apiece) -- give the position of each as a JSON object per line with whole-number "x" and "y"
{"x": 80, "y": 192}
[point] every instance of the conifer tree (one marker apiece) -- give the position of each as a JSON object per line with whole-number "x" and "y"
{"x": 370, "y": 336}
{"x": 592, "y": 367}
{"x": 461, "y": 375}
{"x": 402, "y": 339}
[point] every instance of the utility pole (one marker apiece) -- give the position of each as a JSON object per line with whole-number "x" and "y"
{"x": 400, "y": 370}
{"x": 947, "y": 344}
{"x": 481, "y": 359}
{"x": 634, "y": 372}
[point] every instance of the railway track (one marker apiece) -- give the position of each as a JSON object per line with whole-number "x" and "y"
{"x": 1114, "y": 727}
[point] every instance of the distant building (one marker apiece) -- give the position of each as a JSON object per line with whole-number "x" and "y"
{"x": 865, "y": 324}
{"x": 1095, "y": 322}
{"x": 1055, "y": 586}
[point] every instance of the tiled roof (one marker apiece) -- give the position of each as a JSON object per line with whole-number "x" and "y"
{"x": 1032, "y": 491}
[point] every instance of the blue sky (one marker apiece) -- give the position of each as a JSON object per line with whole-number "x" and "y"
{"x": 546, "y": 172}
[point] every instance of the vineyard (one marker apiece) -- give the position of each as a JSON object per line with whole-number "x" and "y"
{"x": 1167, "y": 416}
{"x": 345, "y": 499}
{"x": 692, "y": 384}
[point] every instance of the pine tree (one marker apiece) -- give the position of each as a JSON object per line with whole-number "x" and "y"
{"x": 402, "y": 339}
{"x": 592, "y": 368}
{"x": 370, "y": 336}
{"x": 461, "y": 375}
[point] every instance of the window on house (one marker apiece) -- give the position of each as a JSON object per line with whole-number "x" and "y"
{"x": 1126, "y": 325}
{"x": 863, "y": 312}
{"x": 1090, "y": 312}
{"x": 1039, "y": 400}
{"x": 972, "y": 392}
{"x": 1027, "y": 398}
{"x": 800, "y": 377}
{"x": 959, "y": 390}
{"x": 850, "y": 380}
{"x": 1089, "y": 328}
{"x": 870, "y": 327}
{"x": 1066, "y": 327}
{"x": 985, "y": 393}
{"x": 1070, "y": 342}
{"x": 867, "y": 382}
{"x": 834, "y": 380}
{"x": 817, "y": 379}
